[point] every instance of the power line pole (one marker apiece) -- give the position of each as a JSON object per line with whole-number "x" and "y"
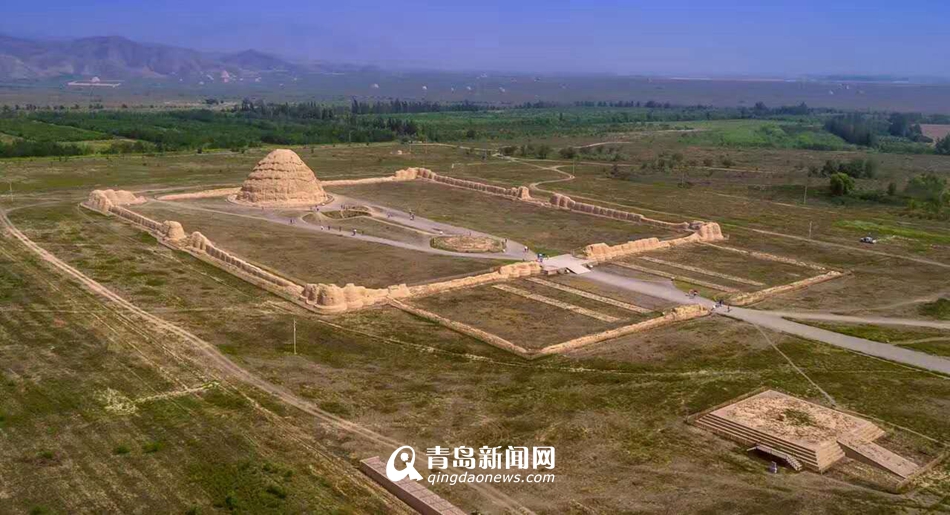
{"x": 809, "y": 229}
{"x": 807, "y": 182}
{"x": 295, "y": 337}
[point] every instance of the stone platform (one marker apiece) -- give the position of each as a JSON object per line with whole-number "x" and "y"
{"x": 816, "y": 436}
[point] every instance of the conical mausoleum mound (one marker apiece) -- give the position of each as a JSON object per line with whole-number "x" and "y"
{"x": 281, "y": 179}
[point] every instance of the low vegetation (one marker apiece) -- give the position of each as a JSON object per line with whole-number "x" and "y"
{"x": 939, "y": 309}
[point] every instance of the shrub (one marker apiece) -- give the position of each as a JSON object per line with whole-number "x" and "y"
{"x": 277, "y": 491}
{"x": 151, "y": 447}
{"x": 121, "y": 450}
{"x": 943, "y": 145}
{"x": 939, "y": 308}
{"x": 568, "y": 152}
{"x": 840, "y": 185}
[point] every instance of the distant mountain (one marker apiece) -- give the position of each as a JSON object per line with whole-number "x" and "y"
{"x": 113, "y": 57}
{"x": 254, "y": 60}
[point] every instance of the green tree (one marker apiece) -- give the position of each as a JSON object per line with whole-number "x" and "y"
{"x": 841, "y": 184}
{"x": 830, "y": 168}
{"x": 930, "y": 190}
{"x": 943, "y": 145}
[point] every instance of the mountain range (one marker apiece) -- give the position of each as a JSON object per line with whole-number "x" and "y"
{"x": 114, "y": 57}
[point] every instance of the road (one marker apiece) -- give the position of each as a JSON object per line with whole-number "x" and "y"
{"x": 774, "y": 321}
{"x": 848, "y": 319}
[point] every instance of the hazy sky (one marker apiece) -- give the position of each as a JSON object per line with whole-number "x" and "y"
{"x": 662, "y": 37}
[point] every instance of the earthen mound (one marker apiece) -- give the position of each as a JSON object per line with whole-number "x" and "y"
{"x": 473, "y": 244}
{"x": 281, "y": 179}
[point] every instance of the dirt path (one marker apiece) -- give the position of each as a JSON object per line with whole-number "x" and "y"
{"x": 209, "y": 356}
{"x": 923, "y": 340}
{"x": 849, "y": 247}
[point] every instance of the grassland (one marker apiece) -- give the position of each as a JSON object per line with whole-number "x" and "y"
{"x": 547, "y": 230}
{"x": 522, "y": 321}
{"x": 303, "y": 255}
{"x": 628, "y": 407}
{"x": 769, "y": 273}
{"x": 613, "y": 411}
{"x": 933, "y": 341}
{"x": 94, "y": 417}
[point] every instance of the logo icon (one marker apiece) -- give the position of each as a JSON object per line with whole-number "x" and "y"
{"x": 398, "y": 475}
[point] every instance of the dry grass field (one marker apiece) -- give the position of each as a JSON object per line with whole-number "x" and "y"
{"x": 547, "y": 230}
{"x": 310, "y": 256}
{"x": 97, "y": 407}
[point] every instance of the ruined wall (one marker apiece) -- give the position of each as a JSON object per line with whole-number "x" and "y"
{"x": 517, "y": 192}
{"x": 323, "y": 298}
{"x": 104, "y": 200}
{"x": 707, "y": 231}
{"x": 330, "y": 298}
{"x": 744, "y": 299}
{"x": 132, "y": 216}
{"x": 220, "y": 192}
{"x": 174, "y": 231}
{"x": 676, "y": 314}
{"x": 465, "y": 329}
{"x": 109, "y": 202}
{"x": 406, "y": 174}
{"x": 604, "y": 252}
{"x": 564, "y": 202}
{"x": 198, "y": 243}
{"x": 503, "y": 273}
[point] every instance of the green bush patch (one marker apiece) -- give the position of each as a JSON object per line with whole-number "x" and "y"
{"x": 939, "y": 309}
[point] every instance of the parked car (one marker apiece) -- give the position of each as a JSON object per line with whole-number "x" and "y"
{"x": 869, "y": 240}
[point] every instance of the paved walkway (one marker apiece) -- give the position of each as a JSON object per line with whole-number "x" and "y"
{"x": 774, "y": 321}
{"x": 849, "y": 319}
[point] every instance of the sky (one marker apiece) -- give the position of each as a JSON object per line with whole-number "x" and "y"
{"x": 672, "y": 37}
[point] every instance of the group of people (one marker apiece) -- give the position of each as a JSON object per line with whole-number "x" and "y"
{"x": 720, "y": 303}
{"x": 693, "y": 293}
